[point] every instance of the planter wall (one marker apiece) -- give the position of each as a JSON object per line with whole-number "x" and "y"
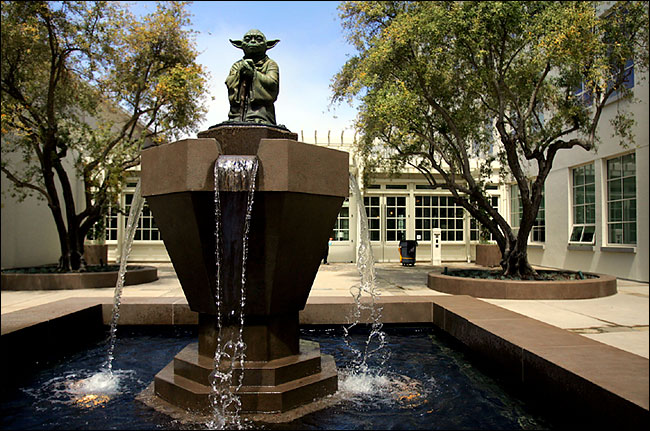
{"x": 79, "y": 280}
{"x": 488, "y": 255}
{"x": 96, "y": 254}
{"x": 602, "y": 285}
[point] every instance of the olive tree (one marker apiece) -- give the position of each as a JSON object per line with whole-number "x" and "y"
{"x": 84, "y": 84}
{"x": 441, "y": 82}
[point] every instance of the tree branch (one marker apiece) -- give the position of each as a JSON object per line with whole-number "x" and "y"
{"x": 23, "y": 184}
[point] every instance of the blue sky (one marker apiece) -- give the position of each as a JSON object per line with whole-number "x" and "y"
{"x": 311, "y": 51}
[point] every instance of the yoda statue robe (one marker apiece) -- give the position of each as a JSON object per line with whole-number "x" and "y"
{"x": 253, "y": 82}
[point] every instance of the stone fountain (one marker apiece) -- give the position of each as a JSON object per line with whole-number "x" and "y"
{"x": 299, "y": 191}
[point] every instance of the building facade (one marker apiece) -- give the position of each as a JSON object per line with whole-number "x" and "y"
{"x": 594, "y": 216}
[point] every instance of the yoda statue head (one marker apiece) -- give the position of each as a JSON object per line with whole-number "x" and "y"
{"x": 254, "y": 44}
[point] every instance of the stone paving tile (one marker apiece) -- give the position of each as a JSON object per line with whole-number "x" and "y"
{"x": 548, "y": 313}
{"x": 620, "y": 309}
{"x": 632, "y": 341}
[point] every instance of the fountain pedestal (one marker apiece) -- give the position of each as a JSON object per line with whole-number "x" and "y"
{"x": 300, "y": 190}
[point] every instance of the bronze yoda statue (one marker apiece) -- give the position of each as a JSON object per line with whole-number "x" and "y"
{"x": 254, "y": 81}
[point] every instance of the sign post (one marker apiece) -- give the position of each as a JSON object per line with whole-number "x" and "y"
{"x": 436, "y": 247}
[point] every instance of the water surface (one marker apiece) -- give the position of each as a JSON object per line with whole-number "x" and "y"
{"x": 426, "y": 384}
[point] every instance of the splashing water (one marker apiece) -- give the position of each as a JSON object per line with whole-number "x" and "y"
{"x": 99, "y": 383}
{"x": 375, "y": 345}
{"x": 82, "y": 388}
{"x": 232, "y": 174}
{"x": 389, "y": 389}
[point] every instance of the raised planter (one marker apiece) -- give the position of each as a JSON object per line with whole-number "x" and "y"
{"x": 96, "y": 254}
{"x": 79, "y": 280}
{"x": 597, "y": 287}
{"x": 488, "y": 255}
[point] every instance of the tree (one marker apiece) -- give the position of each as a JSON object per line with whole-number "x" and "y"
{"x": 441, "y": 82}
{"x": 84, "y": 84}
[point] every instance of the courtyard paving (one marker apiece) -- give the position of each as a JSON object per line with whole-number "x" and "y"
{"x": 619, "y": 320}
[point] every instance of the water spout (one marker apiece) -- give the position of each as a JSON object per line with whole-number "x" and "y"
{"x": 105, "y": 382}
{"x": 134, "y": 215}
{"x": 376, "y": 342}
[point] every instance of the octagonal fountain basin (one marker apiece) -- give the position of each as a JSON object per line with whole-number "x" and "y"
{"x": 425, "y": 384}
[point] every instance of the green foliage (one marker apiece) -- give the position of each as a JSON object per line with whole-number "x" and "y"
{"x": 84, "y": 85}
{"x": 440, "y": 83}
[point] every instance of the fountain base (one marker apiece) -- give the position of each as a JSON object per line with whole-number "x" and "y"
{"x": 274, "y": 386}
{"x": 269, "y": 250}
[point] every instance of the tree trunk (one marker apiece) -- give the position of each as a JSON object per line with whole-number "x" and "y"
{"x": 72, "y": 258}
{"x": 515, "y": 263}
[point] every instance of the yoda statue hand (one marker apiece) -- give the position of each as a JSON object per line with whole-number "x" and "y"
{"x": 247, "y": 70}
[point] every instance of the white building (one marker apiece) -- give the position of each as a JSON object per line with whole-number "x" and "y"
{"x": 594, "y": 217}
{"x": 597, "y": 202}
{"x": 29, "y": 235}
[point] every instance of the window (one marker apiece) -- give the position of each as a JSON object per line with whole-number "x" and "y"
{"x": 395, "y": 218}
{"x": 538, "y": 231}
{"x": 516, "y": 209}
{"x": 424, "y": 217}
{"x": 372, "y": 212}
{"x": 111, "y": 225}
{"x": 341, "y": 230}
{"x": 628, "y": 82}
{"x": 115, "y": 220}
{"x": 108, "y": 224}
{"x": 475, "y": 226}
{"x": 396, "y": 186}
{"x": 582, "y": 93}
{"x": 438, "y": 212}
{"x": 621, "y": 199}
{"x": 584, "y": 204}
{"x": 146, "y": 229}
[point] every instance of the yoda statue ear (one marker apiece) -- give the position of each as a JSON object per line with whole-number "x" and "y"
{"x": 271, "y": 43}
{"x": 237, "y": 43}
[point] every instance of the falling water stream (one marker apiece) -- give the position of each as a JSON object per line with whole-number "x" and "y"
{"x": 234, "y": 175}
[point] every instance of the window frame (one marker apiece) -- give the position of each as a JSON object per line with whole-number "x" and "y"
{"x": 608, "y": 191}
{"x": 435, "y": 205}
{"x": 538, "y": 229}
{"x": 400, "y": 225}
{"x": 374, "y": 233}
{"x": 475, "y": 225}
{"x": 585, "y": 225}
{"x": 338, "y": 225}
